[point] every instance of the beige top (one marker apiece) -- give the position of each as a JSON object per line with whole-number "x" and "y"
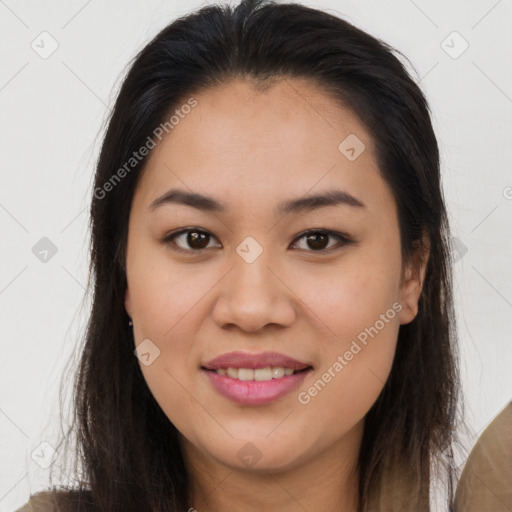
{"x": 485, "y": 484}
{"x": 486, "y": 481}
{"x": 39, "y": 502}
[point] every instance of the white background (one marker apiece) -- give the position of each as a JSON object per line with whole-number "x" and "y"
{"x": 52, "y": 112}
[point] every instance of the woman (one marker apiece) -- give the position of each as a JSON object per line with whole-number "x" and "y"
{"x": 272, "y": 325}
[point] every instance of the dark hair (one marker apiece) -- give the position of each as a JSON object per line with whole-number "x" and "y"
{"x": 127, "y": 447}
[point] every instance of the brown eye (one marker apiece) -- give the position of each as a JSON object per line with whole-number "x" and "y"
{"x": 197, "y": 239}
{"x": 190, "y": 239}
{"x": 318, "y": 241}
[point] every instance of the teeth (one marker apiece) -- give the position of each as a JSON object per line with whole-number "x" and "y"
{"x": 260, "y": 374}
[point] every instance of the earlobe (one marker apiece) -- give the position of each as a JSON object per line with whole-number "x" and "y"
{"x": 411, "y": 292}
{"x": 127, "y": 303}
{"x": 413, "y": 283}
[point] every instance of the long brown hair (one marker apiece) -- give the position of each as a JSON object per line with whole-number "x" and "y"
{"x": 126, "y": 452}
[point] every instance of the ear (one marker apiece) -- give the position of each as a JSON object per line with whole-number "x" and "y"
{"x": 413, "y": 279}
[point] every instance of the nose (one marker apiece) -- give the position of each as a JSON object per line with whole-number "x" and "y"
{"x": 253, "y": 295}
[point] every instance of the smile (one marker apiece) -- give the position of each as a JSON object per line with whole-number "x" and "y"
{"x": 259, "y": 374}
{"x": 246, "y": 386}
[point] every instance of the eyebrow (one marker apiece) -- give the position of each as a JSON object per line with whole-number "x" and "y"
{"x": 201, "y": 202}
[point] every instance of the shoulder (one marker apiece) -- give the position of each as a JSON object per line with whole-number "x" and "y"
{"x": 39, "y": 502}
{"x": 485, "y": 481}
{"x": 59, "y": 501}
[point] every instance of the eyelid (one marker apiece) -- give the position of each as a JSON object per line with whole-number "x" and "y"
{"x": 342, "y": 238}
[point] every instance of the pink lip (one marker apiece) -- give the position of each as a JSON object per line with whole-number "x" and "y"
{"x": 254, "y": 392}
{"x": 247, "y": 360}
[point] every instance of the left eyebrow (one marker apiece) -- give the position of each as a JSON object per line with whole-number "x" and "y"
{"x": 201, "y": 202}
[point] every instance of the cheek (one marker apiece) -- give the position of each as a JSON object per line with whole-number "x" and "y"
{"x": 169, "y": 305}
{"x": 355, "y": 364}
{"x": 351, "y": 296}
{"x": 358, "y": 304}
{"x": 171, "y": 320}
{"x": 163, "y": 293}
{"x": 169, "y": 385}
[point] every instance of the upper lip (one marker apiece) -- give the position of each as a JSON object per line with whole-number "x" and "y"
{"x": 248, "y": 360}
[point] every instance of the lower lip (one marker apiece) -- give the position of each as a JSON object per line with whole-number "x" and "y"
{"x": 255, "y": 392}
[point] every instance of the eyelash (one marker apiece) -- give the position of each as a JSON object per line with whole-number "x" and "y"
{"x": 342, "y": 239}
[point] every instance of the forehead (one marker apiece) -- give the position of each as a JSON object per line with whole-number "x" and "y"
{"x": 240, "y": 115}
{"x": 244, "y": 141}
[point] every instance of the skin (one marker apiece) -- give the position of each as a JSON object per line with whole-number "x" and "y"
{"x": 253, "y": 149}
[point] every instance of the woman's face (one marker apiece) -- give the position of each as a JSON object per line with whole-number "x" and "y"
{"x": 246, "y": 278}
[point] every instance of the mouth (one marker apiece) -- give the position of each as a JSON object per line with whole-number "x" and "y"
{"x": 255, "y": 387}
{"x": 255, "y": 379}
{"x": 264, "y": 374}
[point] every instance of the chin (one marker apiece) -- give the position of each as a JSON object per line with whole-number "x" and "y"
{"x": 260, "y": 456}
